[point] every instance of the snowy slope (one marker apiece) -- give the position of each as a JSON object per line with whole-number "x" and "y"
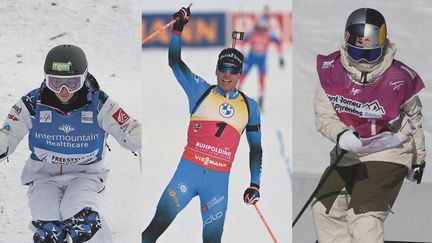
{"x": 166, "y": 101}
{"x": 108, "y": 31}
{"x": 318, "y": 29}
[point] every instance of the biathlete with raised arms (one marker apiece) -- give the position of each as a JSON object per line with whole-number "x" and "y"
{"x": 219, "y": 115}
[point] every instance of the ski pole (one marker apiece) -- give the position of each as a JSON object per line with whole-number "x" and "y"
{"x": 138, "y": 154}
{"x": 265, "y": 223}
{"x": 324, "y": 178}
{"x": 154, "y": 34}
{"x": 140, "y": 160}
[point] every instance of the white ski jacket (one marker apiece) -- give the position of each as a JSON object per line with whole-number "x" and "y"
{"x": 110, "y": 118}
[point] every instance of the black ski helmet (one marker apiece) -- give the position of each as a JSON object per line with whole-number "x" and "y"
{"x": 365, "y": 35}
{"x": 231, "y": 55}
{"x": 65, "y": 60}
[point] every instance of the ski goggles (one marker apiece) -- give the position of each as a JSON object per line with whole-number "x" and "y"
{"x": 71, "y": 83}
{"x": 223, "y": 68}
{"x": 368, "y": 55}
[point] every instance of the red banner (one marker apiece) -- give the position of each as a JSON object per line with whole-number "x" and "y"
{"x": 279, "y": 23}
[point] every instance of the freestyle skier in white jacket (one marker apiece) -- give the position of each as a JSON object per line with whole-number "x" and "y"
{"x": 67, "y": 119}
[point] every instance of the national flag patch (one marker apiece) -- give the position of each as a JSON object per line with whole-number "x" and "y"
{"x": 120, "y": 116}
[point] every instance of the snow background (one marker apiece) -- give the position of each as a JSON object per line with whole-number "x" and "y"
{"x": 318, "y": 28}
{"x": 109, "y": 32}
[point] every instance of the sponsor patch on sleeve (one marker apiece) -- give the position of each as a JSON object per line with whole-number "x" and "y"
{"x": 6, "y": 127}
{"x": 120, "y": 116}
{"x": 12, "y": 117}
{"x": 124, "y": 127}
{"x": 17, "y": 109}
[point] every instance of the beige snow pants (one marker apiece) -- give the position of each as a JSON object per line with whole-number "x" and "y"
{"x": 353, "y": 203}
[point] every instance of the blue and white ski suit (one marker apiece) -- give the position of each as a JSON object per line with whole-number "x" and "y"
{"x": 216, "y": 124}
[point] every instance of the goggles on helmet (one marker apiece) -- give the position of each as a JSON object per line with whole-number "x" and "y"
{"x": 71, "y": 83}
{"x": 223, "y": 68}
{"x": 361, "y": 54}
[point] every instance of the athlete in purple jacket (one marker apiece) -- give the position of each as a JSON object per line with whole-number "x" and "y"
{"x": 367, "y": 104}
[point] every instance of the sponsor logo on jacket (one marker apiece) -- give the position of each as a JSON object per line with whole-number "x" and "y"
{"x": 226, "y": 110}
{"x": 174, "y": 197}
{"x": 397, "y": 84}
{"x": 183, "y": 188}
{"x": 86, "y": 116}
{"x": 355, "y": 91}
{"x": 365, "y": 110}
{"x": 120, "y": 116}
{"x": 65, "y": 159}
{"x": 214, "y": 201}
{"x": 45, "y": 117}
{"x": 66, "y": 128}
{"x": 213, "y": 217}
{"x": 6, "y": 127}
{"x": 327, "y": 65}
{"x": 207, "y": 161}
{"x": 213, "y": 150}
{"x": 12, "y": 117}
{"x": 67, "y": 141}
{"x": 17, "y": 109}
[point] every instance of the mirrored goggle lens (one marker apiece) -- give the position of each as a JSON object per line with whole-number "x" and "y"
{"x": 225, "y": 68}
{"x": 72, "y": 84}
{"x": 369, "y": 55}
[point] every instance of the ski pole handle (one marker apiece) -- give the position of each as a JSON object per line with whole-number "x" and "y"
{"x": 156, "y": 33}
{"x": 265, "y": 223}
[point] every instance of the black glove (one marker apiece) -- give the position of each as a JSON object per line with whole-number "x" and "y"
{"x": 415, "y": 174}
{"x": 251, "y": 194}
{"x": 281, "y": 62}
{"x": 182, "y": 17}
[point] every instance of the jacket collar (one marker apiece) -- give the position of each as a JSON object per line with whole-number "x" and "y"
{"x": 230, "y": 95}
{"x": 375, "y": 71}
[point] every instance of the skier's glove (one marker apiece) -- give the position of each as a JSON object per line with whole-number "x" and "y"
{"x": 380, "y": 142}
{"x": 182, "y": 17}
{"x": 349, "y": 140}
{"x": 251, "y": 194}
{"x": 4, "y": 144}
{"x": 134, "y": 130}
{"x": 281, "y": 62}
{"x": 415, "y": 174}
